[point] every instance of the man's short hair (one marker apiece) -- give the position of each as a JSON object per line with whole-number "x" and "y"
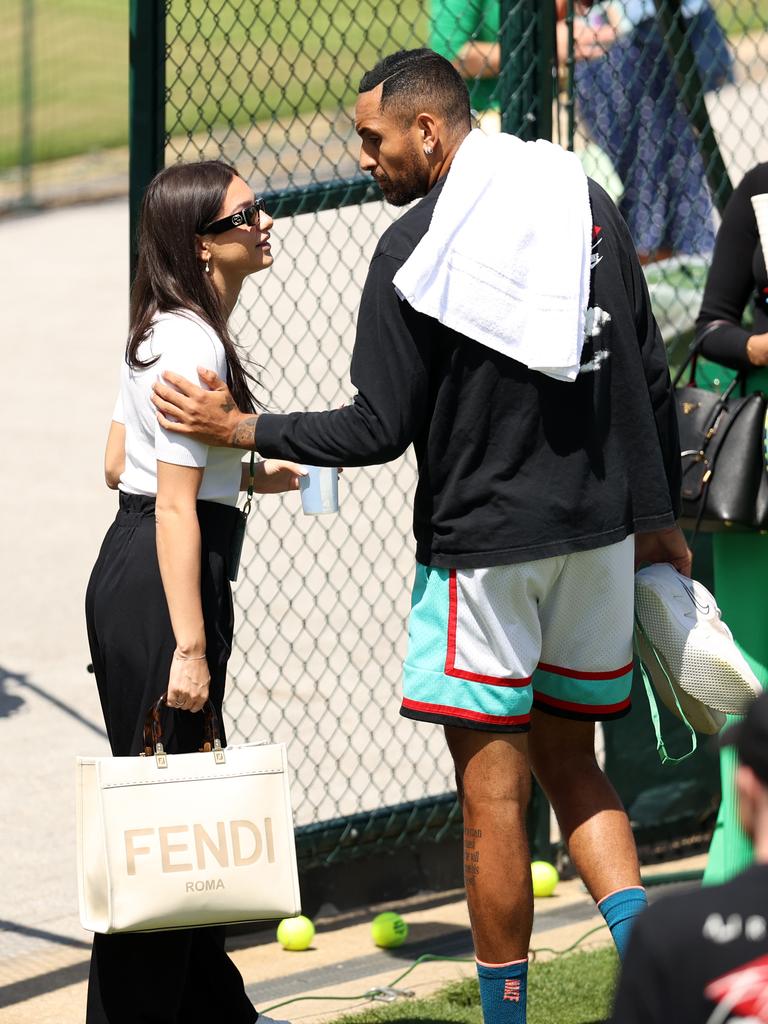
{"x": 417, "y": 81}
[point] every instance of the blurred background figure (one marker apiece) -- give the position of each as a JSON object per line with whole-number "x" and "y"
{"x": 629, "y": 103}
{"x": 466, "y": 32}
{"x": 732, "y": 329}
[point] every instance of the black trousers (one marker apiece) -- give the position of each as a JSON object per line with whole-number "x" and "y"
{"x": 173, "y": 977}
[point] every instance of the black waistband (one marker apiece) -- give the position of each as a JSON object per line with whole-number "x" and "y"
{"x": 215, "y": 519}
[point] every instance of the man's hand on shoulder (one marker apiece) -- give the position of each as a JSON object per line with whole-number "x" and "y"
{"x": 205, "y": 414}
{"x": 663, "y": 546}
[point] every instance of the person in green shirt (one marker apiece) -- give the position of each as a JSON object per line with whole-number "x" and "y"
{"x": 466, "y": 32}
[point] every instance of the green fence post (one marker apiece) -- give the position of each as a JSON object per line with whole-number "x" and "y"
{"x": 683, "y": 60}
{"x": 570, "y": 63}
{"x": 546, "y": 69}
{"x": 26, "y": 155}
{"x": 514, "y": 99}
{"x": 526, "y": 78}
{"x": 147, "y": 104}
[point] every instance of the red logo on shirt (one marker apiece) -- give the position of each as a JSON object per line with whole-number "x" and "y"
{"x": 745, "y": 990}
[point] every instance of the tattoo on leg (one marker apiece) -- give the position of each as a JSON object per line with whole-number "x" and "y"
{"x": 471, "y": 854}
{"x": 244, "y": 434}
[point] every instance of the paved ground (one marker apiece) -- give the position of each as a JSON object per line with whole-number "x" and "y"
{"x": 65, "y": 276}
{"x": 49, "y": 988}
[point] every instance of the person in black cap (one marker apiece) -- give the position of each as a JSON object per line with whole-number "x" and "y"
{"x": 703, "y": 956}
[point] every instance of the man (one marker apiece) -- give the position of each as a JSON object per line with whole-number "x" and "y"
{"x": 530, "y": 490}
{"x": 703, "y": 956}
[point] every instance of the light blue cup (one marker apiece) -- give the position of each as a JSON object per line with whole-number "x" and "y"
{"x": 319, "y": 490}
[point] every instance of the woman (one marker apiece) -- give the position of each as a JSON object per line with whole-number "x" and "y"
{"x": 629, "y": 104}
{"x": 159, "y": 605}
{"x": 738, "y": 281}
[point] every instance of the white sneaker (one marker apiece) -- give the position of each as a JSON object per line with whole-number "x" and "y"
{"x": 688, "y": 650}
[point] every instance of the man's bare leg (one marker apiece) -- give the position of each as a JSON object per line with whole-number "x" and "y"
{"x": 493, "y": 782}
{"x": 594, "y": 824}
{"x": 592, "y": 819}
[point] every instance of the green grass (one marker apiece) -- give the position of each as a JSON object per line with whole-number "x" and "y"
{"x": 79, "y": 79}
{"x": 233, "y": 62}
{"x": 739, "y": 16}
{"x": 573, "y": 989}
{"x": 278, "y": 57}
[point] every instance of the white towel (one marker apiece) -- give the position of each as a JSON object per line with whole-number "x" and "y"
{"x": 506, "y": 258}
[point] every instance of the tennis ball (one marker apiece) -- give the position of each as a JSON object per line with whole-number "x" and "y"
{"x": 545, "y": 878}
{"x": 389, "y": 930}
{"x": 295, "y": 933}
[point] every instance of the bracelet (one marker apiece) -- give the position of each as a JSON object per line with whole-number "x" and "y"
{"x": 185, "y": 657}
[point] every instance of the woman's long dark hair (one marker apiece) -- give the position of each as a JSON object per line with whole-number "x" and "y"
{"x": 179, "y": 202}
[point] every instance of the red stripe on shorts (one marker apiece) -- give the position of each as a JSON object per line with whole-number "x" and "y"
{"x": 571, "y": 673}
{"x": 568, "y": 705}
{"x": 473, "y": 716}
{"x": 450, "y": 654}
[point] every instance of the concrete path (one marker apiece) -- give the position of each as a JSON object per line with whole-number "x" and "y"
{"x": 342, "y": 961}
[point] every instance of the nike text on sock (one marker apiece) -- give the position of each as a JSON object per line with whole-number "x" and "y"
{"x": 503, "y": 991}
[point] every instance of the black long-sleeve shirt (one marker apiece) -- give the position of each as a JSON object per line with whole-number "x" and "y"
{"x": 737, "y": 278}
{"x": 513, "y": 465}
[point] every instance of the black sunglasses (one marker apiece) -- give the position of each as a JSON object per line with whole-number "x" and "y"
{"x": 250, "y": 216}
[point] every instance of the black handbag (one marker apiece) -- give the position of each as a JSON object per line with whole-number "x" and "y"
{"x": 725, "y": 484}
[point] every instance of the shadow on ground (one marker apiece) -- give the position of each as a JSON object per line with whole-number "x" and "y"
{"x": 10, "y": 703}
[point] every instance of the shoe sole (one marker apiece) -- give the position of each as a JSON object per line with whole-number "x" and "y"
{"x": 701, "y": 718}
{"x": 706, "y": 680}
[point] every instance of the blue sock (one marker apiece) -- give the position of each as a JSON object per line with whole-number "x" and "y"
{"x": 503, "y": 990}
{"x": 620, "y": 909}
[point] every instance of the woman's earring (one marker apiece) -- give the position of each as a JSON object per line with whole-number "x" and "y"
{"x": 208, "y": 265}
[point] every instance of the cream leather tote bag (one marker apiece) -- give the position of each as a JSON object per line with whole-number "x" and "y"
{"x": 181, "y": 840}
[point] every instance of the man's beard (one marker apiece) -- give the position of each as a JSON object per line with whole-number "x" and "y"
{"x": 411, "y": 182}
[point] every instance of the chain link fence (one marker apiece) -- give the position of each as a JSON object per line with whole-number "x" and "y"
{"x": 269, "y": 85}
{"x": 63, "y": 101}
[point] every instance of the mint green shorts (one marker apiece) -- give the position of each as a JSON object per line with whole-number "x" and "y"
{"x": 487, "y": 645}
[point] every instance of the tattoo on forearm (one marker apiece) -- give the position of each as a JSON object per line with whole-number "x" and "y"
{"x": 471, "y": 854}
{"x": 227, "y": 405}
{"x": 244, "y": 434}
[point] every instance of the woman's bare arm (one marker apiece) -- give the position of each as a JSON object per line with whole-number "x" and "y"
{"x": 114, "y": 456}
{"x": 272, "y": 476}
{"x": 178, "y": 553}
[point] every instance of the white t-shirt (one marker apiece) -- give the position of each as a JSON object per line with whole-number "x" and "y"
{"x": 183, "y": 342}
